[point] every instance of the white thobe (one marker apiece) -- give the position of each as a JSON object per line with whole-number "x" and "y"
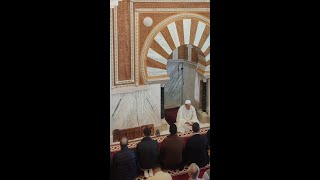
{"x": 184, "y": 115}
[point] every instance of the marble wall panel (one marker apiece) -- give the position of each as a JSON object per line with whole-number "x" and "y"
{"x": 206, "y": 44}
{"x": 136, "y": 108}
{"x": 186, "y": 30}
{"x": 163, "y": 43}
{"x": 174, "y": 33}
{"x": 156, "y": 56}
{"x": 156, "y": 71}
{"x": 173, "y": 88}
{"x": 189, "y": 83}
{"x": 181, "y": 85}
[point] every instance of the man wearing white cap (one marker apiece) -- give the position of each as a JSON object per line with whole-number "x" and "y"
{"x": 186, "y": 117}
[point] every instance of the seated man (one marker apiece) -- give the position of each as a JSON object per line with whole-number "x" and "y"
{"x": 186, "y": 117}
{"x": 159, "y": 174}
{"x": 193, "y": 172}
{"x": 171, "y": 150}
{"x": 124, "y": 162}
{"x": 196, "y": 148}
{"x": 148, "y": 153}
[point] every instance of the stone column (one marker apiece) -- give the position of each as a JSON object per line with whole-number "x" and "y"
{"x": 162, "y": 101}
{"x": 202, "y": 113}
{"x": 204, "y": 95}
{"x": 175, "y": 54}
{"x": 113, "y": 3}
{"x": 189, "y": 52}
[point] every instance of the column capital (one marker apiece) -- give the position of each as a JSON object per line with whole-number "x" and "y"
{"x": 189, "y": 51}
{"x": 114, "y": 3}
{"x": 204, "y": 79}
{"x": 189, "y": 46}
{"x": 203, "y": 74}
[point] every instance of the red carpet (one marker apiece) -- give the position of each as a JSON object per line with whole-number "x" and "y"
{"x": 186, "y": 176}
{"x": 171, "y": 115}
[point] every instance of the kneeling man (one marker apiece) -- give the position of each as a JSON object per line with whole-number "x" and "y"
{"x": 186, "y": 117}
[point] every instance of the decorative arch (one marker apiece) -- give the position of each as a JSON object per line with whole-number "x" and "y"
{"x": 175, "y": 31}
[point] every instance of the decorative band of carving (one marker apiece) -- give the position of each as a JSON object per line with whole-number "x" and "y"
{"x": 132, "y": 44}
{"x": 172, "y": 9}
{"x": 112, "y": 48}
{"x": 171, "y": 1}
{"x": 117, "y": 82}
{"x": 136, "y": 44}
{"x": 122, "y": 86}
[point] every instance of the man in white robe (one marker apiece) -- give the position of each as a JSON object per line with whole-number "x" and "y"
{"x": 186, "y": 117}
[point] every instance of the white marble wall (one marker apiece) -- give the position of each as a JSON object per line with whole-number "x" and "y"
{"x": 181, "y": 85}
{"x": 136, "y": 108}
{"x": 173, "y": 87}
{"x": 189, "y": 83}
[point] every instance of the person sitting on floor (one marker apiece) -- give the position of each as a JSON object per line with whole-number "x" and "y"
{"x": 196, "y": 148}
{"x": 171, "y": 150}
{"x": 186, "y": 117}
{"x": 159, "y": 174}
{"x": 124, "y": 162}
{"x": 193, "y": 172}
{"x": 148, "y": 153}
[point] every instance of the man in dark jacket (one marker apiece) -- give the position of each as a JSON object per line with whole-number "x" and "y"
{"x": 171, "y": 150}
{"x": 148, "y": 153}
{"x": 196, "y": 148}
{"x": 124, "y": 162}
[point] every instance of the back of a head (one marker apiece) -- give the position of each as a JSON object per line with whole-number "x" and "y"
{"x": 195, "y": 127}
{"x": 147, "y": 131}
{"x": 123, "y": 142}
{"x": 193, "y": 171}
{"x": 173, "y": 129}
